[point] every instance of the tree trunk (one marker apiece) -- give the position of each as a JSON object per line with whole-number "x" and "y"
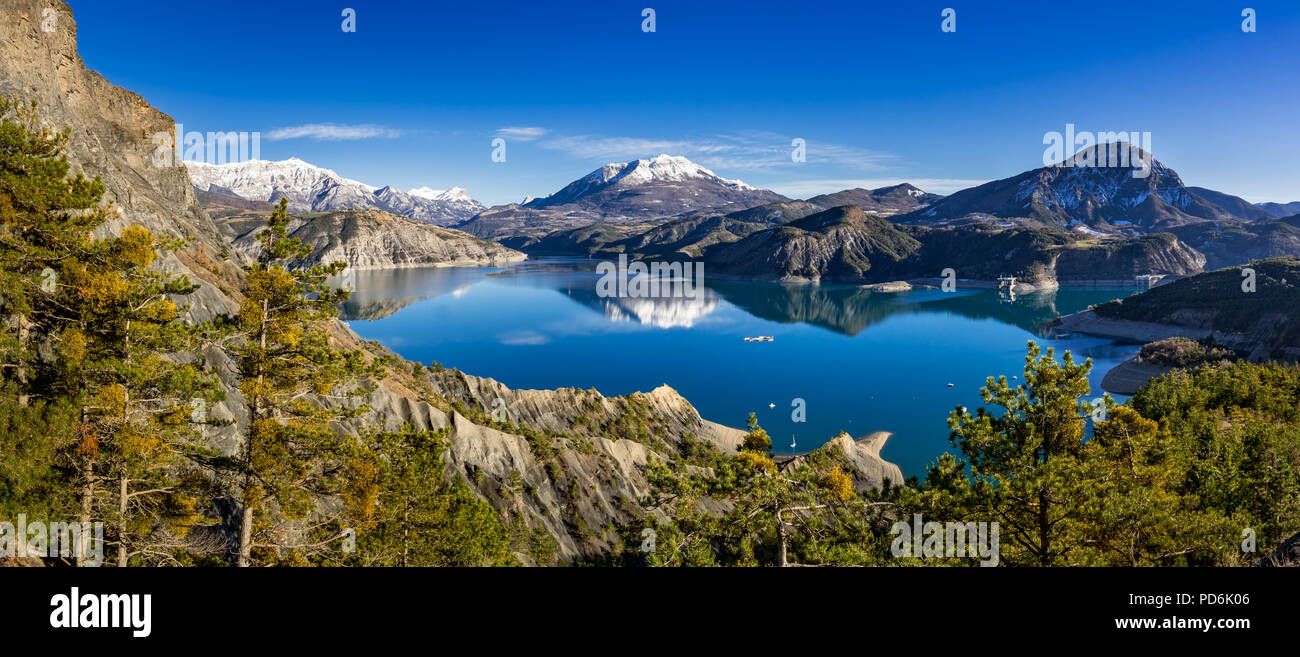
{"x": 246, "y": 520}
{"x": 406, "y": 526}
{"x": 1044, "y": 537}
{"x": 246, "y": 536}
{"x": 781, "y": 537}
{"x": 123, "y": 483}
{"x": 121, "y": 521}
{"x": 24, "y": 332}
{"x": 87, "y": 504}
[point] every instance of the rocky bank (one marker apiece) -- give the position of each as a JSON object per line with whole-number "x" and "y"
{"x": 374, "y": 239}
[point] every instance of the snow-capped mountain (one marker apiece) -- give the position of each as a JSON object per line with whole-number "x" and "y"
{"x": 310, "y": 188}
{"x": 663, "y": 186}
{"x": 453, "y": 194}
{"x": 650, "y": 191}
{"x": 1106, "y": 198}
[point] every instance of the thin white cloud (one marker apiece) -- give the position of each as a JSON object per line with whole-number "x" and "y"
{"x": 750, "y": 151}
{"x": 332, "y": 132}
{"x": 520, "y": 133}
{"x": 615, "y": 148}
{"x": 810, "y": 188}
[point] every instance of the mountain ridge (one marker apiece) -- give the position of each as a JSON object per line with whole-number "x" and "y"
{"x": 1108, "y": 199}
{"x": 622, "y": 186}
{"x": 643, "y": 193}
{"x": 312, "y": 188}
{"x": 890, "y": 200}
{"x": 373, "y": 239}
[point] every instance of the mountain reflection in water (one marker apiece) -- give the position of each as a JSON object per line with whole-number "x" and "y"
{"x": 861, "y": 360}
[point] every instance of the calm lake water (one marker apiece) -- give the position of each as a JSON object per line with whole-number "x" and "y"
{"x": 861, "y": 361}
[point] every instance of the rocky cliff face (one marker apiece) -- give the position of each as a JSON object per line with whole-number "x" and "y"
{"x": 1230, "y": 243}
{"x": 565, "y": 461}
{"x": 112, "y": 136}
{"x": 1108, "y": 198}
{"x": 863, "y": 456}
{"x": 372, "y": 239}
{"x": 575, "y": 476}
{"x": 842, "y": 243}
{"x": 1161, "y": 254}
{"x": 692, "y": 237}
{"x": 581, "y": 471}
{"x": 850, "y": 245}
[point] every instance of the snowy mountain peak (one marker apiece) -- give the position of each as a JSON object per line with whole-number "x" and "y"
{"x": 661, "y": 186}
{"x": 453, "y": 194}
{"x": 661, "y": 168}
{"x": 311, "y": 188}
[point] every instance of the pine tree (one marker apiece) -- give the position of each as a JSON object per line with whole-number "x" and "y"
{"x": 1131, "y": 512}
{"x": 756, "y": 439}
{"x": 31, "y": 482}
{"x": 139, "y": 393}
{"x": 1022, "y": 452}
{"x": 47, "y": 220}
{"x": 804, "y": 510}
{"x": 109, "y": 321}
{"x": 45, "y": 224}
{"x": 290, "y": 457}
{"x": 1237, "y": 427}
{"x": 419, "y": 518}
{"x": 1021, "y": 459}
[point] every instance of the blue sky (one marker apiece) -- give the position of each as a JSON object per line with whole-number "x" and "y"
{"x": 879, "y": 93}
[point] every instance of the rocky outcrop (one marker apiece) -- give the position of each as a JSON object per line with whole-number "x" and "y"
{"x": 1109, "y": 198}
{"x": 580, "y": 477}
{"x": 842, "y": 243}
{"x": 1231, "y": 243}
{"x": 890, "y": 286}
{"x": 1161, "y": 254}
{"x": 113, "y": 135}
{"x": 564, "y": 409}
{"x": 372, "y": 239}
{"x": 869, "y": 471}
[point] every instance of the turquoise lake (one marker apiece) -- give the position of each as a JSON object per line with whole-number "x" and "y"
{"x": 861, "y": 361}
